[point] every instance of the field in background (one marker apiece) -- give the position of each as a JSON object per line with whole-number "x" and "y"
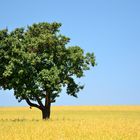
{"x": 71, "y": 123}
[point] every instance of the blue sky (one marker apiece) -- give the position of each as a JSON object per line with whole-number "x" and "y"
{"x": 109, "y": 28}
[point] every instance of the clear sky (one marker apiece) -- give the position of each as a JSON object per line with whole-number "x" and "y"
{"x": 109, "y": 28}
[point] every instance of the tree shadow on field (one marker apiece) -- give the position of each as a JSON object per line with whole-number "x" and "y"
{"x": 18, "y": 120}
{"x": 37, "y": 120}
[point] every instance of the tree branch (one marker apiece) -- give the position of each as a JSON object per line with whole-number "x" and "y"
{"x": 39, "y": 101}
{"x": 32, "y": 104}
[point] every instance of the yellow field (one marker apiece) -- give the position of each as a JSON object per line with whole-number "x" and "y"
{"x": 71, "y": 123}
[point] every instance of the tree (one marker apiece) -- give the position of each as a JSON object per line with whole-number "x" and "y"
{"x": 37, "y": 63}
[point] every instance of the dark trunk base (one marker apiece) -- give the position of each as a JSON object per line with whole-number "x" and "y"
{"x": 47, "y": 108}
{"x": 45, "y": 114}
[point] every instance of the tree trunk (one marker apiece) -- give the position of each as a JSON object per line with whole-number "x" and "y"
{"x": 47, "y": 109}
{"x": 46, "y": 112}
{"x": 44, "y": 108}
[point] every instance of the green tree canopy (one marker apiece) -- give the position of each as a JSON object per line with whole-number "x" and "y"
{"x": 37, "y": 63}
